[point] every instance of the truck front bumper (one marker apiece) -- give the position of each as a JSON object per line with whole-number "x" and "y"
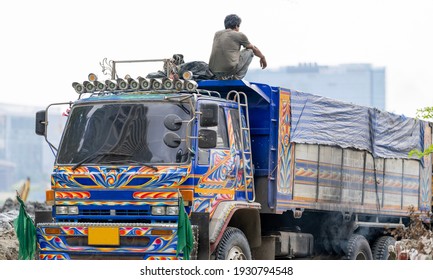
{"x": 108, "y": 241}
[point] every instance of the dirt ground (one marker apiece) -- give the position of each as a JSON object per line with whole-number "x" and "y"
{"x": 8, "y": 246}
{"x": 8, "y": 213}
{"x": 8, "y": 240}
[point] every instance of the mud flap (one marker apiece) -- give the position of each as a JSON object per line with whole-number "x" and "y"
{"x": 202, "y": 221}
{"x": 44, "y": 216}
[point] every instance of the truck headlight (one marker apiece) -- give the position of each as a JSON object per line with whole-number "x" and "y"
{"x": 61, "y": 210}
{"x": 158, "y": 210}
{"x": 73, "y": 210}
{"x": 67, "y": 210}
{"x": 172, "y": 210}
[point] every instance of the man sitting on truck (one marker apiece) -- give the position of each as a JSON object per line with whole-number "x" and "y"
{"x": 227, "y": 60}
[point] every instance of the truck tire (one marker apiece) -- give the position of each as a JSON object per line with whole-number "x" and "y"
{"x": 358, "y": 248}
{"x": 233, "y": 246}
{"x": 380, "y": 247}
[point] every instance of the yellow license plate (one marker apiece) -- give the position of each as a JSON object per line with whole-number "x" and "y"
{"x": 103, "y": 236}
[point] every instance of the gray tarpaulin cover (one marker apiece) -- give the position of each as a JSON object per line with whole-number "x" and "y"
{"x": 320, "y": 120}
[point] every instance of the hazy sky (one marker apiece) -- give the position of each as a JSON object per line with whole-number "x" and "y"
{"x": 46, "y": 45}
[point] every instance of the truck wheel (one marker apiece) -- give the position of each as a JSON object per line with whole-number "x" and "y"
{"x": 380, "y": 247}
{"x": 358, "y": 248}
{"x": 233, "y": 246}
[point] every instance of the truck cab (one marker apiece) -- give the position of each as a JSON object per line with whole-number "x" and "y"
{"x": 127, "y": 156}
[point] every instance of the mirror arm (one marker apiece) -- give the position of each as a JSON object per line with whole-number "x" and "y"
{"x": 53, "y": 148}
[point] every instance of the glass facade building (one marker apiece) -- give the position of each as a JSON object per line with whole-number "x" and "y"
{"x": 360, "y": 84}
{"x": 23, "y": 154}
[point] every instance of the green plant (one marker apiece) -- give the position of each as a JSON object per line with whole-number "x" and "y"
{"x": 425, "y": 113}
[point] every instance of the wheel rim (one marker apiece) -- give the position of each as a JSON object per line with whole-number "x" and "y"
{"x": 236, "y": 253}
{"x": 361, "y": 256}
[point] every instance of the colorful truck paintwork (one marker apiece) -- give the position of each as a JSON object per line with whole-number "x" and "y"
{"x": 269, "y": 196}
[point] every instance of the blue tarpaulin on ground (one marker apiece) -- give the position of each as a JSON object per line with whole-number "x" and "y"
{"x": 320, "y": 120}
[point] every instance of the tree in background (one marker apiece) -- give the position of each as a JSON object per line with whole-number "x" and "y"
{"x": 426, "y": 114}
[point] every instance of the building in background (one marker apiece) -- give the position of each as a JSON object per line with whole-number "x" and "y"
{"x": 360, "y": 84}
{"x": 20, "y": 149}
{"x": 23, "y": 154}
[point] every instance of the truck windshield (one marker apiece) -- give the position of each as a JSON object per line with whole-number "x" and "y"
{"x": 123, "y": 134}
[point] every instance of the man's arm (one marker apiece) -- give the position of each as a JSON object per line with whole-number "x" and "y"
{"x": 259, "y": 54}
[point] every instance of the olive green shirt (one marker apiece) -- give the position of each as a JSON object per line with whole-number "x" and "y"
{"x": 226, "y": 50}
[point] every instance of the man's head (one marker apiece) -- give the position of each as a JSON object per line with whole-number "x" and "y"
{"x": 232, "y": 21}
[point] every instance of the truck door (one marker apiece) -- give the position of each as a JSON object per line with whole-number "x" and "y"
{"x": 241, "y": 150}
{"x": 216, "y": 167}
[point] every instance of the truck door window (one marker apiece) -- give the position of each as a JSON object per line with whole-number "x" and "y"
{"x": 221, "y": 130}
{"x": 234, "y": 115}
{"x": 222, "y": 137}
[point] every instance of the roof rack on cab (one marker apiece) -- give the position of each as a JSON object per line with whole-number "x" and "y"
{"x": 171, "y": 81}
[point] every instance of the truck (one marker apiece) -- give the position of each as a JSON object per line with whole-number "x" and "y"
{"x": 259, "y": 172}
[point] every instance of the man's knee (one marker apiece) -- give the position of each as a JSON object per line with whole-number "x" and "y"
{"x": 247, "y": 52}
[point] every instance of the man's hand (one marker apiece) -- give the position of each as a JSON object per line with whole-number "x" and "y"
{"x": 263, "y": 62}
{"x": 258, "y": 53}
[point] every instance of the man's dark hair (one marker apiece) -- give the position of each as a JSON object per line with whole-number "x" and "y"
{"x": 231, "y": 21}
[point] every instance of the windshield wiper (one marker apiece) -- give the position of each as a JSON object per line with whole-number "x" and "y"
{"x": 95, "y": 155}
{"x": 181, "y": 106}
{"x": 143, "y": 164}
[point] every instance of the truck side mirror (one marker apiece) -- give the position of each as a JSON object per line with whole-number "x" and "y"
{"x": 209, "y": 115}
{"x": 173, "y": 122}
{"x": 40, "y": 122}
{"x": 172, "y": 140}
{"x": 207, "y": 138}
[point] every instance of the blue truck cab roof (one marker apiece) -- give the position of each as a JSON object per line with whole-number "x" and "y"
{"x": 255, "y": 90}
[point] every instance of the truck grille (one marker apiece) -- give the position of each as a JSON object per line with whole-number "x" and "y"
{"x": 118, "y": 212}
{"x": 95, "y": 212}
